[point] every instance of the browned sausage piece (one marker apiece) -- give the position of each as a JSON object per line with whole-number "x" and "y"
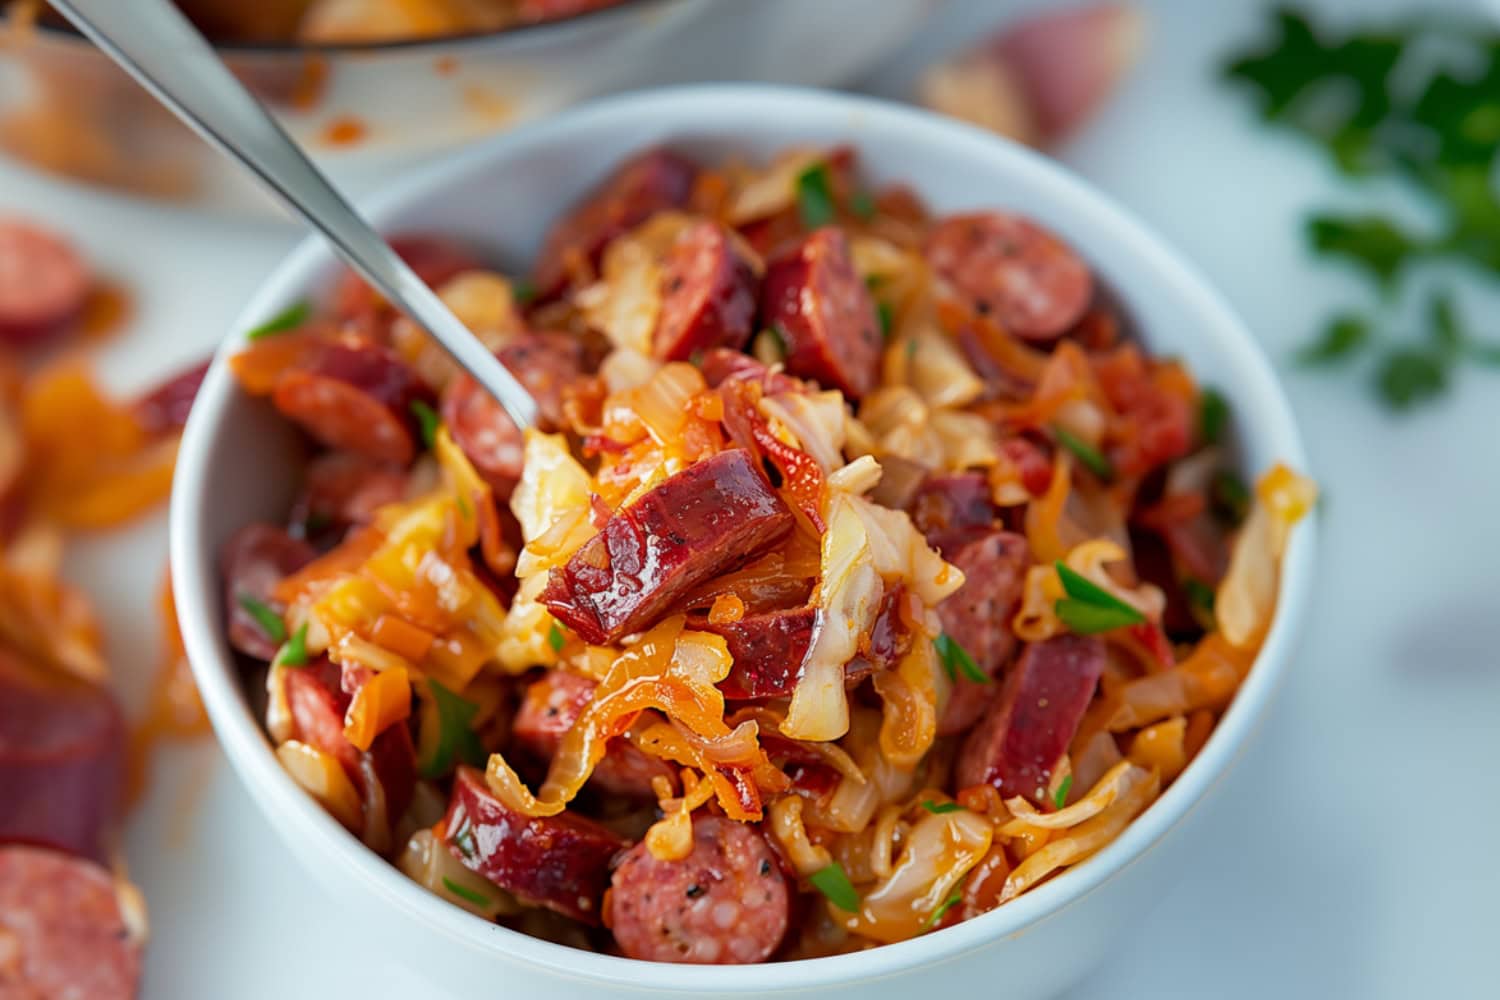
{"x": 948, "y": 508}
{"x": 1028, "y": 728}
{"x": 43, "y": 283}
{"x": 546, "y": 364}
{"x": 354, "y": 395}
{"x": 720, "y": 365}
{"x": 341, "y": 488}
{"x": 1010, "y": 268}
{"x": 649, "y": 183}
{"x": 62, "y": 935}
{"x": 165, "y": 408}
{"x": 816, "y": 299}
{"x": 708, "y": 295}
{"x": 726, "y": 903}
{"x": 768, "y": 651}
{"x": 560, "y": 862}
{"x": 701, "y": 522}
{"x": 977, "y": 615}
{"x": 62, "y": 752}
{"x": 318, "y": 702}
{"x": 550, "y": 707}
{"x": 255, "y": 560}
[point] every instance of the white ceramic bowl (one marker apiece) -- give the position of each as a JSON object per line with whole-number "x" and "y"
{"x": 238, "y": 463}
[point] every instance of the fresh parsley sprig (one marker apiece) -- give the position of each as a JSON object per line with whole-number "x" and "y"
{"x": 1090, "y": 609}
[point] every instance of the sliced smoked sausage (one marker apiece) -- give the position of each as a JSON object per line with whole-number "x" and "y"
{"x": 62, "y": 753}
{"x": 548, "y": 710}
{"x": 62, "y": 933}
{"x": 726, "y": 903}
{"x": 354, "y": 395}
{"x": 255, "y": 560}
{"x": 342, "y": 488}
{"x": 703, "y": 521}
{"x": 165, "y": 408}
{"x": 1011, "y": 269}
{"x": 815, "y": 298}
{"x": 977, "y": 616}
{"x": 1027, "y": 729}
{"x": 560, "y": 862}
{"x": 43, "y": 283}
{"x": 708, "y": 295}
{"x": 648, "y": 183}
{"x": 947, "y": 508}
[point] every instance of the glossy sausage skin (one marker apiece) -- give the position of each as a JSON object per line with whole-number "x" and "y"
{"x": 548, "y": 710}
{"x": 560, "y": 862}
{"x": 62, "y": 755}
{"x": 318, "y": 702}
{"x": 708, "y": 295}
{"x": 701, "y": 522}
{"x": 768, "y": 651}
{"x": 64, "y": 935}
{"x": 43, "y": 284}
{"x": 946, "y": 508}
{"x": 354, "y": 395}
{"x": 648, "y": 183}
{"x": 1028, "y": 728}
{"x": 254, "y": 561}
{"x": 546, "y": 364}
{"x": 726, "y": 903}
{"x": 977, "y": 616}
{"x": 814, "y": 296}
{"x": 1009, "y": 268}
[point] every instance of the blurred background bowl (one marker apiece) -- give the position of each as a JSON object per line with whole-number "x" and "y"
{"x": 368, "y": 111}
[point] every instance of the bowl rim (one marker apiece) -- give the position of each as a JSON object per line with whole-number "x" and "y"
{"x": 451, "y": 44}
{"x": 303, "y": 823}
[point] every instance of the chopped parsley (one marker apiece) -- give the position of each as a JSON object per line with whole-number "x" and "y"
{"x": 522, "y": 292}
{"x": 427, "y": 420}
{"x": 555, "y": 638}
{"x": 1213, "y": 415}
{"x": 1091, "y": 458}
{"x": 1342, "y": 336}
{"x": 815, "y": 196}
{"x": 1061, "y": 798}
{"x": 289, "y": 318}
{"x": 1090, "y": 609}
{"x": 464, "y": 892}
{"x": 456, "y": 740}
{"x": 941, "y": 808}
{"x": 956, "y": 660}
{"x": 862, "y": 204}
{"x": 887, "y": 319}
{"x": 833, "y": 883}
{"x": 1199, "y": 594}
{"x": 937, "y": 915}
{"x": 269, "y": 621}
{"x": 293, "y": 652}
{"x": 464, "y": 840}
{"x": 1229, "y": 495}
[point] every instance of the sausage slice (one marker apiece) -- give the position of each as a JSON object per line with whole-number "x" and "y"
{"x": 708, "y": 295}
{"x": 977, "y": 615}
{"x": 704, "y": 520}
{"x": 43, "y": 283}
{"x": 255, "y": 560}
{"x": 816, "y": 299}
{"x": 726, "y": 903}
{"x": 1010, "y": 268}
{"x": 354, "y": 395}
{"x": 62, "y": 934}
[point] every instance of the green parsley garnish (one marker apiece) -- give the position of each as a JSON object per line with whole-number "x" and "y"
{"x": 834, "y": 883}
{"x": 1369, "y": 242}
{"x": 1343, "y": 335}
{"x": 462, "y": 503}
{"x": 815, "y": 196}
{"x": 1061, "y": 798}
{"x": 269, "y": 621}
{"x": 464, "y": 892}
{"x": 956, "y": 660}
{"x": 1089, "y": 456}
{"x": 1089, "y": 608}
{"x": 289, "y": 318}
{"x": 427, "y": 421}
{"x": 940, "y": 808}
{"x": 457, "y": 741}
{"x": 887, "y": 318}
{"x": 1213, "y": 415}
{"x": 522, "y": 292}
{"x": 862, "y": 204}
{"x": 293, "y": 652}
{"x": 1199, "y": 594}
{"x": 1230, "y": 496}
{"x": 555, "y": 638}
{"x": 942, "y": 911}
{"x": 777, "y": 338}
{"x": 464, "y": 840}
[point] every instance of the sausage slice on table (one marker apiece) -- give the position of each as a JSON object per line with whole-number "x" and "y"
{"x": 560, "y": 862}
{"x": 43, "y": 283}
{"x": 1026, "y": 731}
{"x": 62, "y": 933}
{"x": 708, "y": 295}
{"x": 813, "y": 296}
{"x": 62, "y": 754}
{"x": 1013, "y": 270}
{"x": 726, "y": 903}
{"x": 977, "y": 615}
{"x": 704, "y": 520}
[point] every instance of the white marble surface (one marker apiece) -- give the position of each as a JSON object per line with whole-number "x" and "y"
{"x": 1355, "y": 847}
